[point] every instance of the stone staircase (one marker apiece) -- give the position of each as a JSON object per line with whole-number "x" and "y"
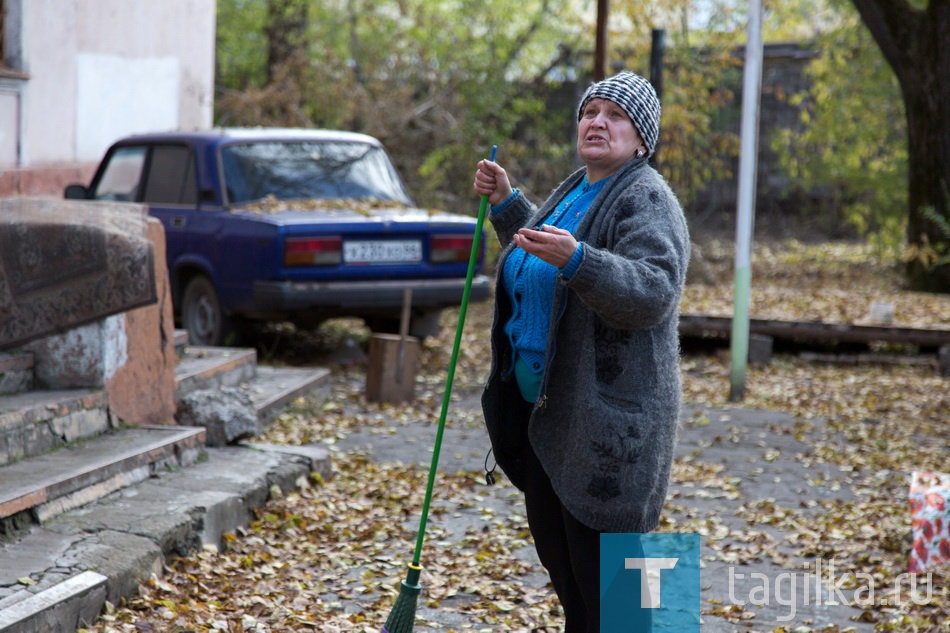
{"x": 90, "y": 507}
{"x": 270, "y": 388}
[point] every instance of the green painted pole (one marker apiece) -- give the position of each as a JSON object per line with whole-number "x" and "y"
{"x": 740, "y": 333}
{"x": 402, "y": 617}
{"x": 745, "y": 212}
{"x": 450, "y": 377}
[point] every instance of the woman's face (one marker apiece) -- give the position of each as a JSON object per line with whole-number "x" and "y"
{"x": 606, "y": 138}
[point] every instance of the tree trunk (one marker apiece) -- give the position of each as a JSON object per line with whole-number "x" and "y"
{"x": 914, "y": 44}
{"x": 286, "y": 33}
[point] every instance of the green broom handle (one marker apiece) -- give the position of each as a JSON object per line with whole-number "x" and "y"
{"x": 473, "y": 258}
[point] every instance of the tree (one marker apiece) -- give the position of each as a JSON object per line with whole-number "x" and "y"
{"x": 913, "y": 39}
{"x": 286, "y": 33}
{"x": 847, "y": 158}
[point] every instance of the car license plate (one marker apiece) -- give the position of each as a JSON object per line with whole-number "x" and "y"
{"x": 382, "y": 251}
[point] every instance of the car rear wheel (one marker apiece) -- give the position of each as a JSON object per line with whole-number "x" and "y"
{"x": 201, "y": 314}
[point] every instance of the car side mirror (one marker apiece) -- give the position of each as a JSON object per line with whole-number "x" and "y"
{"x": 76, "y": 192}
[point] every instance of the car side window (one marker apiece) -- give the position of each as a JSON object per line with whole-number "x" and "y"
{"x": 122, "y": 175}
{"x": 171, "y": 176}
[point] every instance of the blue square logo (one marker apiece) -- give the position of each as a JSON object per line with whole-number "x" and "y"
{"x": 649, "y": 583}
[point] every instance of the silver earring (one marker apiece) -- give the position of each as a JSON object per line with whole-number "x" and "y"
{"x": 640, "y": 153}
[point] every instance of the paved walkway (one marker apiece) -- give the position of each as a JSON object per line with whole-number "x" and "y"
{"x": 729, "y": 463}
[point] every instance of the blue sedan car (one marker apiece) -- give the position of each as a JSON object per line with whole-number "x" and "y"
{"x": 289, "y": 225}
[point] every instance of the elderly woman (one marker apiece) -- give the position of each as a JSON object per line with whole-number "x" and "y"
{"x": 583, "y": 397}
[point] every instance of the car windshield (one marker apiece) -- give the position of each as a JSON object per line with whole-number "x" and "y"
{"x": 287, "y": 170}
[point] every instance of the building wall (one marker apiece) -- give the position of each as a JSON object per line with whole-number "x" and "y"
{"x": 9, "y": 118}
{"x": 96, "y": 70}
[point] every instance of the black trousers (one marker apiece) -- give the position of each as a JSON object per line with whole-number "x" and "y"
{"x": 568, "y": 549}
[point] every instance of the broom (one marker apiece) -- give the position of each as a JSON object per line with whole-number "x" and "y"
{"x": 403, "y": 615}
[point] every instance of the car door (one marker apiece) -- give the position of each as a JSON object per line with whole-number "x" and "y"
{"x": 199, "y": 237}
{"x": 170, "y": 189}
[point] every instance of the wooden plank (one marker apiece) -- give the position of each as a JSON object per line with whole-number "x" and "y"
{"x": 705, "y": 325}
{"x": 384, "y": 380}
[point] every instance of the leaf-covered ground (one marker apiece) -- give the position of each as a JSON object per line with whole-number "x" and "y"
{"x": 330, "y": 557}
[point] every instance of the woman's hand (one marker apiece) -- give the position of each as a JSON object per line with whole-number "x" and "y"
{"x": 548, "y": 243}
{"x": 492, "y": 180}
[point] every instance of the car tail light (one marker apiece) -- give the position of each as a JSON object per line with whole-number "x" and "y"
{"x": 313, "y": 251}
{"x": 450, "y": 248}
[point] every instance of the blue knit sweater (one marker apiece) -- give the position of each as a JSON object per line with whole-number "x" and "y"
{"x": 529, "y": 281}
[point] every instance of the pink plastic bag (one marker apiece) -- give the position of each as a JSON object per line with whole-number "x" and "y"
{"x": 930, "y": 520}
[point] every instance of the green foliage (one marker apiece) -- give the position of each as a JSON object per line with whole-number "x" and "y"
{"x": 797, "y": 21}
{"x": 941, "y": 222}
{"x": 695, "y": 148}
{"x": 241, "y": 47}
{"x": 927, "y": 253}
{"x": 438, "y": 81}
{"x": 852, "y": 149}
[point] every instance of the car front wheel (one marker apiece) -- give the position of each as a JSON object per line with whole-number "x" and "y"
{"x": 201, "y": 313}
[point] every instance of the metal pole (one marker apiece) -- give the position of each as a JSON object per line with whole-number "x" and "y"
{"x": 600, "y": 45}
{"x": 657, "y": 46}
{"x": 745, "y": 212}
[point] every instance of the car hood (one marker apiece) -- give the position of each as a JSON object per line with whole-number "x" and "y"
{"x": 293, "y": 212}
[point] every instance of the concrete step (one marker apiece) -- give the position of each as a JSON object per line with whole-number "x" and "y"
{"x": 180, "y": 339}
{"x": 273, "y": 388}
{"x": 125, "y": 536}
{"x": 16, "y": 372}
{"x": 72, "y": 604}
{"x": 48, "y": 485}
{"x": 213, "y": 367}
{"x": 270, "y": 388}
{"x": 37, "y": 422}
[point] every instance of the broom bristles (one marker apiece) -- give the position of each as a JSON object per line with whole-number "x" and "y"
{"x": 403, "y": 616}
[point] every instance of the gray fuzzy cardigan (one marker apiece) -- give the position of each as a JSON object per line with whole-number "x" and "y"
{"x": 605, "y": 422}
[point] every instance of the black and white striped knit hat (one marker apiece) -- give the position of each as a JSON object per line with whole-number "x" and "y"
{"x": 638, "y": 99}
